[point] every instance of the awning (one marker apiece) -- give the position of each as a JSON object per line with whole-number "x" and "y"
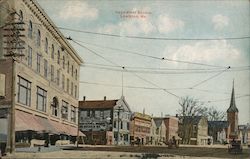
{"x": 25, "y": 121}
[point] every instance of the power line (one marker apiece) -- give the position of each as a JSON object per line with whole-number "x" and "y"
{"x": 147, "y": 81}
{"x": 209, "y": 78}
{"x": 154, "y": 38}
{"x": 226, "y": 99}
{"x": 168, "y": 72}
{"x": 150, "y": 56}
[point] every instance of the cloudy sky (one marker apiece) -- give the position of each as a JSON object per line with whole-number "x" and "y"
{"x": 214, "y": 34}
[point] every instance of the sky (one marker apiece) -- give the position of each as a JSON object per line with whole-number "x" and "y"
{"x": 193, "y": 31}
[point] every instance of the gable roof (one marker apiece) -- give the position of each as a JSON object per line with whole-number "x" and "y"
{"x": 192, "y": 119}
{"x": 158, "y": 121}
{"x": 97, "y": 104}
{"x": 218, "y": 124}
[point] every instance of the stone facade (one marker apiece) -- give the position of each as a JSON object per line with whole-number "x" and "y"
{"x": 46, "y": 77}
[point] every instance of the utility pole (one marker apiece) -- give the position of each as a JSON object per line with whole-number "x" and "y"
{"x": 120, "y": 108}
{"x": 14, "y": 45}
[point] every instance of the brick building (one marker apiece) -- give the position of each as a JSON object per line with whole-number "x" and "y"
{"x": 140, "y": 128}
{"x": 171, "y": 123}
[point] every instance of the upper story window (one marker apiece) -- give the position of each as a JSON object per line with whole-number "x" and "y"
{"x": 73, "y": 114}
{"x": 76, "y": 75}
{"x": 46, "y": 45}
{"x": 24, "y": 91}
{"x": 58, "y": 77}
{"x": 41, "y": 99}
{"x": 71, "y": 91}
{"x": 30, "y": 29}
{"x": 58, "y": 57}
{"x": 65, "y": 110}
{"x": 29, "y": 56}
{"x": 38, "y": 38}
{"x": 45, "y": 68}
{"x": 75, "y": 91}
{"x": 54, "y": 106}
{"x": 68, "y": 85}
{"x": 68, "y": 67}
{"x": 63, "y": 62}
{"x": 38, "y": 62}
{"x": 20, "y": 15}
{"x": 52, "y": 51}
{"x": 72, "y": 71}
{"x": 63, "y": 82}
{"x": 52, "y": 73}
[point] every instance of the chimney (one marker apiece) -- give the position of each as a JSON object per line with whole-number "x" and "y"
{"x": 84, "y": 98}
{"x": 105, "y": 97}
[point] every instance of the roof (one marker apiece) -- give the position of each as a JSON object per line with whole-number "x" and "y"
{"x": 141, "y": 116}
{"x": 97, "y": 104}
{"x": 158, "y": 121}
{"x": 232, "y": 107}
{"x": 193, "y": 119}
{"x": 218, "y": 124}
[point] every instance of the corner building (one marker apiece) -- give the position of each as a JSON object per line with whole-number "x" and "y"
{"x": 43, "y": 82}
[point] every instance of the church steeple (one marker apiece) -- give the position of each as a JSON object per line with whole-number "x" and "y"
{"x": 232, "y": 107}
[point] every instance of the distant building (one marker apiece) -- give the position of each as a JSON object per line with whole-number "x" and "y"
{"x": 232, "y": 117}
{"x": 140, "y": 128}
{"x": 219, "y": 130}
{"x": 42, "y": 82}
{"x": 160, "y": 131}
{"x": 171, "y": 123}
{"x": 99, "y": 121}
{"x": 244, "y": 134}
{"x": 193, "y": 130}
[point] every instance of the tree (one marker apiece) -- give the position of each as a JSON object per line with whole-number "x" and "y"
{"x": 190, "y": 109}
{"x": 213, "y": 114}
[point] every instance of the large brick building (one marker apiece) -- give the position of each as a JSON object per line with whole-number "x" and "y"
{"x": 41, "y": 73}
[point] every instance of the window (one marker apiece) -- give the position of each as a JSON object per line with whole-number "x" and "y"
{"x": 68, "y": 67}
{"x": 72, "y": 71}
{"x": 65, "y": 110}
{"x": 30, "y": 29}
{"x": 63, "y": 82}
{"x": 58, "y": 77}
{"x": 38, "y": 62}
{"x": 52, "y": 51}
{"x": 121, "y": 124}
{"x": 67, "y": 85}
{"x": 72, "y": 88}
{"x": 114, "y": 124}
{"x": 54, "y": 106}
{"x": 46, "y": 45}
{"x": 127, "y": 125}
{"x": 41, "y": 99}
{"x": 20, "y": 15}
{"x": 24, "y": 91}
{"x": 73, "y": 114}
{"x": 63, "y": 62}
{"x": 29, "y": 56}
{"x": 45, "y": 68}
{"x": 76, "y": 75}
{"x": 38, "y": 38}
{"x": 52, "y": 73}
{"x": 58, "y": 57}
{"x": 75, "y": 91}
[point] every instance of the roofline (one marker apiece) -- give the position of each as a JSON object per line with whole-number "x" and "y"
{"x": 49, "y": 24}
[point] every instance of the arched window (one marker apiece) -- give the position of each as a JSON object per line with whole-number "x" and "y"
{"x": 30, "y": 29}
{"x": 52, "y": 51}
{"x": 38, "y": 38}
{"x": 46, "y": 45}
{"x": 54, "y": 106}
{"x": 21, "y": 15}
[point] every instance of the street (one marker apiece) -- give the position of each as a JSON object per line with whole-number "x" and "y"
{"x": 87, "y": 151}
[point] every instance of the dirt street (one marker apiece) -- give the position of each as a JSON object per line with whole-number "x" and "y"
{"x": 143, "y": 152}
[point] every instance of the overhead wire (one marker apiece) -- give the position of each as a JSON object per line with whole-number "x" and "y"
{"x": 152, "y": 38}
{"x": 153, "y": 57}
{"x": 147, "y": 81}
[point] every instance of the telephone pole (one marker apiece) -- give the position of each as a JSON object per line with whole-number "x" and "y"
{"x": 14, "y": 47}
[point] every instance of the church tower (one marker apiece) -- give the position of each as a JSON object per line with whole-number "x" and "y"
{"x": 232, "y": 116}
